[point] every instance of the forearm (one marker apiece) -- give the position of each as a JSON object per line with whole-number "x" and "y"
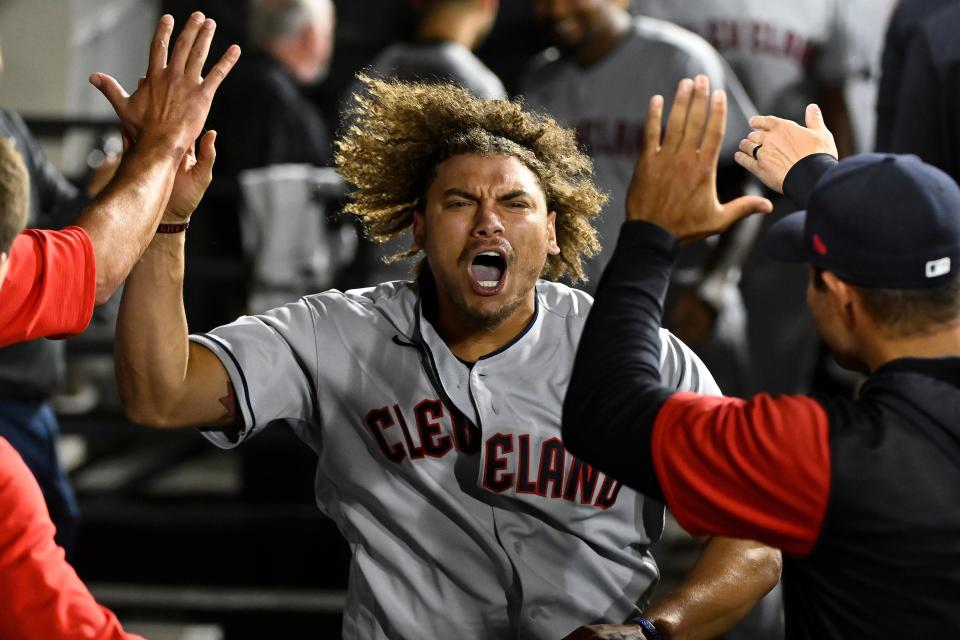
{"x": 152, "y": 349}
{"x": 728, "y": 580}
{"x": 803, "y": 176}
{"x": 123, "y": 219}
{"x": 615, "y": 390}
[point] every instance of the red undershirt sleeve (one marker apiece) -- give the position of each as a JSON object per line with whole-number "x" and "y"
{"x": 50, "y": 286}
{"x": 757, "y": 469}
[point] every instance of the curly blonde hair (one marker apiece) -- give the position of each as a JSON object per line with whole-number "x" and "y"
{"x": 400, "y": 132}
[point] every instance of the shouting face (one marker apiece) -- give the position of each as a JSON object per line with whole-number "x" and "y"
{"x": 487, "y": 233}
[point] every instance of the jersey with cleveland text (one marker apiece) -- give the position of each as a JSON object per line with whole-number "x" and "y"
{"x": 466, "y": 516}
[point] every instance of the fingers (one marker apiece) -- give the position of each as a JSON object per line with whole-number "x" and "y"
{"x": 181, "y": 50}
{"x": 743, "y": 207}
{"x": 814, "y": 117}
{"x": 220, "y": 70}
{"x": 716, "y": 128}
{"x": 653, "y": 124}
{"x": 756, "y": 137}
{"x": 697, "y": 115}
{"x": 207, "y": 153}
{"x": 112, "y": 91}
{"x": 678, "y": 114}
{"x": 747, "y": 146}
{"x": 201, "y": 47}
{"x": 160, "y": 45}
{"x": 764, "y": 123}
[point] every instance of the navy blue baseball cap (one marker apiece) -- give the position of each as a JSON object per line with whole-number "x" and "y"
{"x": 877, "y": 220}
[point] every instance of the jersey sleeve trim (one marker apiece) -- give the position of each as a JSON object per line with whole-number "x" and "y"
{"x": 757, "y": 469}
{"x": 239, "y": 382}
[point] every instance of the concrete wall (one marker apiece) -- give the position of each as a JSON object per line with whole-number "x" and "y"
{"x": 50, "y": 47}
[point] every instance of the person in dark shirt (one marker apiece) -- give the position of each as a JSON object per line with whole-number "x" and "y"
{"x": 927, "y": 120}
{"x": 50, "y": 280}
{"x": 860, "y": 494}
{"x": 263, "y": 118}
{"x": 906, "y": 20}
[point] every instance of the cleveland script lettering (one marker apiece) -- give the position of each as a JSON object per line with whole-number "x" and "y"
{"x": 511, "y": 463}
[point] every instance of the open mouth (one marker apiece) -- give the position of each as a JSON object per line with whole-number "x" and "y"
{"x": 487, "y": 272}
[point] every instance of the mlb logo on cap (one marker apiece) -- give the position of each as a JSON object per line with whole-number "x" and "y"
{"x": 877, "y": 220}
{"x": 937, "y": 268}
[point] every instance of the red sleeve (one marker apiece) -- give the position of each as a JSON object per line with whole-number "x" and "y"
{"x": 41, "y": 594}
{"x": 757, "y": 469}
{"x": 50, "y": 286}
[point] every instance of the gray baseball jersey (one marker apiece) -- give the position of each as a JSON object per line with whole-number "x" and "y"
{"x": 466, "y": 516}
{"x": 607, "y": 104}
{"x": 776, "y": 47}
{"x": 445, "y": 61}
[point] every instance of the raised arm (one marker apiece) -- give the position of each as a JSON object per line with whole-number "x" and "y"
{"x": 619, "y": 369}
{"x": 776, "y": 145}
{"x": 164, "y": 380}
{"x": 161, "y": 120}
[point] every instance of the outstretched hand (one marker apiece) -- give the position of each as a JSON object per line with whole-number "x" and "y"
{"x": 193, "y": 177}
{"x": 173, "y": 100}
{"x": 674, "y": 183}
{"x": 782, "y": 144}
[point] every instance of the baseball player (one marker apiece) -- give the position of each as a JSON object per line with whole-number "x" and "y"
{"x": 606, "y": 62}
{"x": 434, "y": 405}
{"x": 787, "y": 54}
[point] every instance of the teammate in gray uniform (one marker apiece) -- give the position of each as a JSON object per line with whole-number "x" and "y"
{"x": 447, "y": 34}
{"x": 604, "y": 64}
{"x": 787, "y": 53}
{"x": 434, "y": 405}
{"x": 442, "y": 50}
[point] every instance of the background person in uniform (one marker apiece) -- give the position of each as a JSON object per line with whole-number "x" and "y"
{"x": 447, "y": 33}
{"x": 434, "y": 405}
{"x": 50, "y": 280}
{"x": 787, "y": 53}
{"x": 605, "y": 63}
{"x": 860, "y": 494}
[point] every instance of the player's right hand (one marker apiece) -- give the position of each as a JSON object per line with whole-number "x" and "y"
{"x": 784, "y": 143}
{"x": 193, "y": 177}
{"x": 674, "y": 183}
{"x": 172, "y": 102}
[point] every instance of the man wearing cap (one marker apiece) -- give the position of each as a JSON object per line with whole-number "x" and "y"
{"x": 862, "y": 494}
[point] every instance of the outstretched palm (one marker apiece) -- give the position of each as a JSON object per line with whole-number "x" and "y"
{"x": 674, "y": 183}
{"x": 193, "y": 177}
{"x": 173, "y": 100}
